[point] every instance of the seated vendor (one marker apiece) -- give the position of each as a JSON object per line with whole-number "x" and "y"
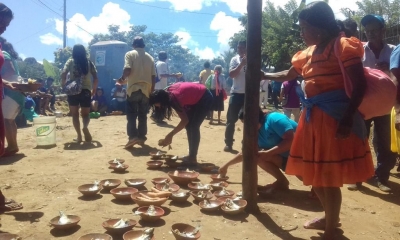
{"x": 99, "y": 102}
{"x": 118, "y": 95}
{"x": 275, "y": 136}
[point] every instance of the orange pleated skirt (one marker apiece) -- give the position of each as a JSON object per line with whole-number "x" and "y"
{"x": 321, "y": 160}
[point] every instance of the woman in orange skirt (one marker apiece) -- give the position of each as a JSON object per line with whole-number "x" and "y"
{"x": 330, "y": 147}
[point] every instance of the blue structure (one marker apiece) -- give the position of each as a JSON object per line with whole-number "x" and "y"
{"x": 109, "y": 58}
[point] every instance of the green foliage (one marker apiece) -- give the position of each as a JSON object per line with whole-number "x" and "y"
{"x": 61, "y": 55}
{"x": 51, "y": 71}
{"x": 30, "y": 68}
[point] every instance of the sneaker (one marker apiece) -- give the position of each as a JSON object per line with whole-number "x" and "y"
{"x": 354, "y": 187}
{"x": 384, "y": 187}
{"x": 228, "y": 148}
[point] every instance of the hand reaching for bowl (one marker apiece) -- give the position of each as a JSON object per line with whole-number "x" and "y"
{"x": 166, "y": 141}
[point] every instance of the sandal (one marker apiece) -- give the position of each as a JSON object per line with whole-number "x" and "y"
{"x": 318, "y": 224}
{"x": 272, "y": 187}
{"x": 88, "y": 137}
{"x": 131, "y": 143}
{"x": 11, "y": 207}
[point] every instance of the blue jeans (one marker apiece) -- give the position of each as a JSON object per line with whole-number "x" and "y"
{"x": 385, "y": 157}
{"x": 236, "y": 103}
{"x": 137, "y": 106}
{"x": 118, "y": 106}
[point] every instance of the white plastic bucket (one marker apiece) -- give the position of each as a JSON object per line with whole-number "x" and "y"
{"x": 45, "y": 130}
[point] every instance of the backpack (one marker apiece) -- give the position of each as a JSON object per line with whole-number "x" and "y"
{"x": 380, "y": 93}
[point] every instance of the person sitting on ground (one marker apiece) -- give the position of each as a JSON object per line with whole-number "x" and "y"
{"x": 49, "y": 98}
{"x": 275, "y": 136}
{"x": 40, "y": 98}
{"x": 99, "y": 102}
{"x": 118, "y": 94}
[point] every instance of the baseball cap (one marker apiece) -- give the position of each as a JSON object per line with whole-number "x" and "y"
{"x": 372, "y": 17}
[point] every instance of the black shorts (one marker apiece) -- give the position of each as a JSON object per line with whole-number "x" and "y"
{"x": 82, "y": 99}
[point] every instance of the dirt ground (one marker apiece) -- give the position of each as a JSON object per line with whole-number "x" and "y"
{"x": 46, "y": 181}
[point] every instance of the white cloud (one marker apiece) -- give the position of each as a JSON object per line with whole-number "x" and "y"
{"x": 236, "y": 6}
{"x": 22, "y": 56}
{"x": 226, "y": 26}
{"x": 186, "y": 40}
{"x": 189, "y": 5}
{"x": 111, "y": 14}
{"x": 206, "y": 53}
{"x": 51, "y": 39}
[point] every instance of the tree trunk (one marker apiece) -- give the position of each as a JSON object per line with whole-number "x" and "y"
{"x": 253, "y": 76}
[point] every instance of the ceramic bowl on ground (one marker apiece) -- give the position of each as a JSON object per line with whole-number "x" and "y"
{"x": 180, "y": 196}
{"x": 210, "y": 205}
{"x": 241, "y": 203}
{"x": 207, "y": 167}
{"x": 173, "y": 164}
{"x": 109, "y": 184}
{"x": 154, "y": 164}
{"x": 171, "y": 187}
{"x": 113, "y": 161}
{"x": 157, "y": 155}
{"x": 73, "y": 220}
{"x": 183, "y": 177}
{"x": 198, "y": 186}
{"x": 142, "y": 211}
{"x": 142, "y": 202}
{"x": 169, "y": 157}
{"x": 135, "y": 235}
{"x": 217, "y": 177}
{"x": 123, "y": 193}
{"x": 198, "y": 198}
{"x": 135, "y": 182}
{"x": 218, "y": 185}
{"x": 109, "y": 225}
{"x": 120, "y": 169}
{"x": 8, "y": 236}
{"x": 220, "y": 193}
{"x": 160, "y": 180}
{"x": 96, "y": 236}
{"x": 89, "y": 189}
{"x": 182, "y": 227}
{"x": 223, "y": 199}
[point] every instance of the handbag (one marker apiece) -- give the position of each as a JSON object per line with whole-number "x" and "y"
{"x": 380, "y": 93}
{"x": 73, "y": 87}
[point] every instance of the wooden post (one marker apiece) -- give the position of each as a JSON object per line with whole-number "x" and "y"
{"x": 250, "y": 132}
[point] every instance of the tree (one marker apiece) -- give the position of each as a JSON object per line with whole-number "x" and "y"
{"x": 61, "y": 55}
{"x": 52, "y": 71}
{"x": 30, "y": 68}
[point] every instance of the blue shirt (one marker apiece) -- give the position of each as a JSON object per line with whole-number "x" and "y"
{"x": 275, "y": 126}
{"x": 395, "y": 58}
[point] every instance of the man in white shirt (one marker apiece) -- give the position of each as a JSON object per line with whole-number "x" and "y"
{"x": 264, "y": 93}
{"x": 237, "y": 71}
{"x": 377, "y": 55}
{"x": 163, "y": 71}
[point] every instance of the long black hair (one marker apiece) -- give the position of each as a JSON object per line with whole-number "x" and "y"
{"x": 261, "y": 115}
{"x": 80, "y": 58}
{"x": 163, "y": 98}
{"x": 5, "y": 12}
{"x": 8, "y": 47}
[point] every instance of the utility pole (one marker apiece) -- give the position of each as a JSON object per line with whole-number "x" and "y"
{"x": 65, "y": 25}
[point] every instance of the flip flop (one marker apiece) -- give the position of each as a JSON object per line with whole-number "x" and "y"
{"x": 8, "y": 201}
{"x": 131, "y": 143}
{"x": 11, "y": 207}
{"x": 10, "y": 153}
{"x": 88, "y": 137}
{"x": 77, "y": 140}
{"x": 318, "y": 224}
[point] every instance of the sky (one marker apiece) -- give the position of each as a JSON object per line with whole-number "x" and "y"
{"x": 203, "y": 26}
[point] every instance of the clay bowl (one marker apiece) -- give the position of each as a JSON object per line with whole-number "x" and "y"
{"x": 134, "y": 235}
{"x": 146, "y": 203}
{"x": 108, "y": 225}
{"x": 135, "y": 182}
{"x": 119, "y": 160}
{"x": 183, "y": 177}
{"x": 154, "y": 164}
{"x": 85, "y": 189}
{"x": 195, "y": 186}
{"x": 123, "y": 193}
{"x": 223, "y": 199}
{"x": 172, "y": 187}
{"x": 97, "y": 236}
{"x": 229, "y": 193}
{"x": 242, "y": 204}
{"x": 169, "y": 157}
{"x": 212, "y": 206}
{"x": 73, "y": 221}
{"x": 207, "y": 167}
{"x": 179, "y": 196}
{"x": 112, "y": 183}
{"x": 218, "y": 185}
{"x": 197, "y": 198}
{"x": 160, "y": 180}
{"x": 8, "y": 236}
{"x": 173, "y": 164}
{"x": 216, "y": 178}
{"x": 145, "y": 217}
{"x": 182, "y": 227}
{"x": 155, "y": 156}
{"x": 120, "y": 169}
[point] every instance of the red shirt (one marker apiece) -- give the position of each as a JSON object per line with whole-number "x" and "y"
{"x": 186, "y": 93}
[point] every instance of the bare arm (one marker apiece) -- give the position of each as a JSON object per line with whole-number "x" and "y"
{"x": 95, "y": 83}
{"x": 169, "y": 75}
{"x": 123, "y": 80}
{"x": 286, "y": 75}
{"x": 237, "y": 159}
{"x": 64, "y": 78}
{"x": 283, "y": 146}
{"x": 281, "y": 95}
{"x": 181, "y": 125}
{"x": 235, "y": 71}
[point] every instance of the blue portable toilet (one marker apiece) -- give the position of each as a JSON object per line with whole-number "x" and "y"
{"x": 109, "y": 59}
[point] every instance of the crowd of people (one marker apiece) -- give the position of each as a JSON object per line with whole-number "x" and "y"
{"x": 325, "y": 145}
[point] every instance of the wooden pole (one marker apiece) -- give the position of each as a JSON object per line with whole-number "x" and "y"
{"x": 253, "y": 76}
{"x": 65, "y": 25}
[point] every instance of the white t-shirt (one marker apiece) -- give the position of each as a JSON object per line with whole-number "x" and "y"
{"x": 369, "y": 59}
{"x": 239, "y": 83}
{"x": 264, "y": 85}
{"x": 162, "y": 68}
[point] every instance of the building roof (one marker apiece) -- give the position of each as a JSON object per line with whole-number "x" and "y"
{"x": 111, "y": 42}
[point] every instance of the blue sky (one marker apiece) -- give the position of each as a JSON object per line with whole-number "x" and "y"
{"x": 204, "y": 26}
